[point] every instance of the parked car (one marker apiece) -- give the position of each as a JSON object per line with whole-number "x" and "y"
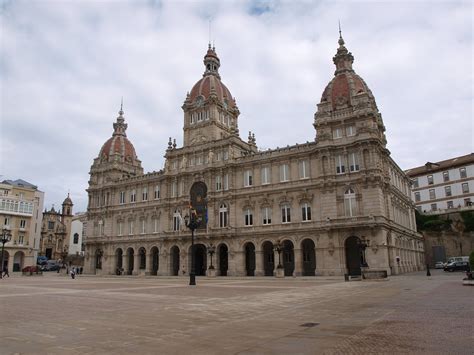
{"x": 41, "y": 260}
{"x": 30, "y": 268}
{"x": 457, "y": 266}
{"x": 50, "y": 266}
{"x": 439, "y": 265}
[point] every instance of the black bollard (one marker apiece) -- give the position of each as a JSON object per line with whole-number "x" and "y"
{"x": 428, "y": 273}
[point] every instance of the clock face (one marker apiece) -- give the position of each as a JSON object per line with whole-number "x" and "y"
{"x": 199, "y": 101}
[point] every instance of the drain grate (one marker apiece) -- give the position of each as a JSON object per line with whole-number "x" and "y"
{"x": 309, "y": 325}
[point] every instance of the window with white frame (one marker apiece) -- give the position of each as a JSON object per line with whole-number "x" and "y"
{"x": 284, "y": 172}
{"x": 462, "y": 173}
{"x": 218, "y": 183}
{"x": 340, "y": 164}
{"x": 226, "y": 182}
{"x": 303, "y": 168}
{"x": 432, "y": 194}
{"x": 445, "y": 176}
{"x": 353, "y": 162}
{"x": 248, "y": 217}
{"x": 122, "y": 197}
{"x": 145, "y": 194}
{"x": 266, "y": 215}
{"x": 465, "y": 188}
{"x": 265, "y": 175}
{"x": 434, "y": 207}
{"x": 143, "y": 226}
{"x": 182, "y": 188}
{"x": 306, "y": 212}
{"x": 21, "y": 239}
{"x": 417, "y": 197}
{"x": 119, "y": 228}
{"x": 155, "y": 225}
{"x": 415, "y": 183}
{"x": 285, "y": 213}
{"x": 130, "y": 227}
{"x": 430, "y": 179}
{"x": 447, "y": 190}
{"x": 223, "y": 215}
{"x": 225, "y": 154}
{"x": 350, "y": 131}
{"x": 133, "y": 196}
{"x": 157, "y": 192}
{"x": 248, "y": 181}
{"x": 467, "y": 202}
{"x": 349, "y": 202}
{"x": 176, "y": 220}
{"x": 450, "y": 204}
{"x": 337, "y": 133}
{"x": 23, "y": 223}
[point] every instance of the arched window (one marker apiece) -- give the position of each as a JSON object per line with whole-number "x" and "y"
{"x": 76, "y": 238}
{"x": 223, "y": 215}
{"x": 285, "y": 213}
{"x": 306, "y": 212}
{"x": 266, "y": 215}
{"x": 349, "y": 203}
{"x": 176, "y": 220}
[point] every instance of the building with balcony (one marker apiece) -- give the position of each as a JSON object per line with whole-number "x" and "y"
{"x": 21, "y": 204}
{"x": 444, "y": 185}
{"x": 332, "y": 206}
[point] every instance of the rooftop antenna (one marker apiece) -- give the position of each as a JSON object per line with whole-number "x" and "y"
{"x": 121, "y": 107}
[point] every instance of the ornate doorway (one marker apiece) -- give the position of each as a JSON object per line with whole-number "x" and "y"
{"x": 268, "y": 258}
{"x": 309, "y": 257}
{"x": 154, "y": 260}
{"x": 223, "y": 260}
{"x": 200, "y": 259}
{"x": 118, "y": 258}
{"x": 250, "y": 259}
{"x": 354, "y": 257}
{"x": 288, "y": 257}
{"x": 174, "y": 261}
{"x": 131, "y": 259}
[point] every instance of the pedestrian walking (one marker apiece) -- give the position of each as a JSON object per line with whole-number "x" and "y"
{"x": 73, "y": 274}
{"x": 5, "y": 272}
{"x": 80, "y": 270}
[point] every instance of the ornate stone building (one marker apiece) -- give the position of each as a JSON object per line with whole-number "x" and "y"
{"x": 55, "y": 231}
{"x": 331, "y": 206}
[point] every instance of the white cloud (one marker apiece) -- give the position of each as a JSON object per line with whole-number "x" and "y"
{"x": 65, "y": 65}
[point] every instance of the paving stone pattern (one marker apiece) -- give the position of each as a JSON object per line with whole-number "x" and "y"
{"x": 409, "y": 314}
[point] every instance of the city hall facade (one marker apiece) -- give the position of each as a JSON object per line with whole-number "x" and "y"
{"x": 337, "y": 205}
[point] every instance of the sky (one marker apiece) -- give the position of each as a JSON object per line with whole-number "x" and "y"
{"x": 65, "y": 65}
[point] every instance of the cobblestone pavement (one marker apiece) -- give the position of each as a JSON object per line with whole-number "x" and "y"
{"x": 411, "y": 314}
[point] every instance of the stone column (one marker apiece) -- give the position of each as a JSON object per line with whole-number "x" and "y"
{"x": 124, "y": 262}
{"x": 298, "y": 262}
{"x": 149, "y": 263}
{"x": 276, "y": 271}
{"x": 259, "y": 263}
{"x": 163, "y": 264}
{"x": 136, "y": 263}
{"x": 238, "y": 264}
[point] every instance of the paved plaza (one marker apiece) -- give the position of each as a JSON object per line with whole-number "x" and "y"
{"x": 414, "y": 314}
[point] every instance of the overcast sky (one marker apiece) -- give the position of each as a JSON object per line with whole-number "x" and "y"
{"x": 66, "y": 64}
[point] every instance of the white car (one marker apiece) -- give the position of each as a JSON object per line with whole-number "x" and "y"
{"x": 439, "y": 265}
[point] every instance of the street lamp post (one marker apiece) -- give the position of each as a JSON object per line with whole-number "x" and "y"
{"x": 6, "y": 237}
{"x": 211, "y": 250}
{"x": 192, "y": 222}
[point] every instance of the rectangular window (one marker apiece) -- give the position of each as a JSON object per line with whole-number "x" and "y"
{"x": 434, "y": 206}
{"x": 22, "y": 223}
{"x": 303, "y": 169}
{"x": 248, "y": 178}
{"x": 462, "y": 173}
{"x": 284, "y": 172}
{"x": 447, "y": 190}
{"x": 50, "y": 224}
{"x": 350, "y": 131}
{"x": 353, "y": 162}
{"x": 226, "y": 182}
{"x": 21, "y": 239}
{"x": 133, "y": 196}
{"x": 445, "y": 176}
{"x": 285, "y": 214}
{"x": 218, "y": 183}
{"x": 430, "y": 180}
{"x": 266, "y": 215}
{"x": 337, "y": 133}
{"x": 415, "y": 183}
{"x": 130, "y": 227}
{"x": 174, "y": 189}
{"x": 340, "y": 165}
{"x": 182, "y": 188}
{"x": 145, "y": 194}
{"x": 306, "y": 212}
{"x": 143, "y": 226}
{"x": 465, "y": 188}
{"x": 157, "y": 192}
{"x": 120, "y": 228}
{"x": 265, "y": 175}
{"x": 432, "y": 194}
{"x": 467, "y": 202}
{"x": 450, "y": 204}
{"x": 155, "y": 225}
{"x": 417, "y": 197}
{"x": 225, "y": 155}
{"x": 6, "y": 222}
{"x": 248, "y": 217}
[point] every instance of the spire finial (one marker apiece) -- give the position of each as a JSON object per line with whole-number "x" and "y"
{"x": 341, "y": 41}
{"x": 210, "y": 33}
{"x": 121, "y": 107}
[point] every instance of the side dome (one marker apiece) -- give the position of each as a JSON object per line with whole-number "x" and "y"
{"x": 118, "y": 147}
{"x": 210, "y": 84}
{"x": 67, "y": 200}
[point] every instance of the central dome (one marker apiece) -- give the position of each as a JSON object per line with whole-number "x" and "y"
{"x": 211, "y": 83}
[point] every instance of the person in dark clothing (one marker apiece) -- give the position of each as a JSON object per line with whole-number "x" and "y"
{"x": 5, "y": 272}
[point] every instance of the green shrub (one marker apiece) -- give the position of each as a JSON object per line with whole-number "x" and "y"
{"x": 468, "y": 219}
{"x": 471, "y": 260}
